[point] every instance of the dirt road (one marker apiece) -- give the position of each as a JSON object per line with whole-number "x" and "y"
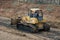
{"x": 10, "y": 32}
{"x": 9, "y": 36}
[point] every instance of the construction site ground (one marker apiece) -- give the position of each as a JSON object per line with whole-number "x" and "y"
{"x": 11, "y": 9}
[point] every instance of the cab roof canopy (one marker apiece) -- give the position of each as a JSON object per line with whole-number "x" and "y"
{"x": 34, "y": 9}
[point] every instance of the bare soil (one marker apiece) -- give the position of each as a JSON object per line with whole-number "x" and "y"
{"x": 12, "y": 8}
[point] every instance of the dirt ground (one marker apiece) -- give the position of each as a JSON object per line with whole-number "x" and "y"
{"x": 8, "y": 36}
{"x": 8, "y": 32}
{"x": 12, "y": 8}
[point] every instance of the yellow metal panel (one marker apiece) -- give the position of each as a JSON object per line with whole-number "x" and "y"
{"x": 40, "y": 25}
{"x": 25, "y": 18}
{"x": 34, "y": 20}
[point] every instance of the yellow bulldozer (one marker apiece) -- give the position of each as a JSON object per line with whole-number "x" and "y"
{"x": 34, "y": 20}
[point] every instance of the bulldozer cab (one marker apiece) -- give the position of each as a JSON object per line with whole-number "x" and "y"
{"x": 36, "y": 13}
{"x": 34, "y": 16}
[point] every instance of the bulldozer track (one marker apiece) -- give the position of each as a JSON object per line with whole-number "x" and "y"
{"x": 52, "y": 34}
